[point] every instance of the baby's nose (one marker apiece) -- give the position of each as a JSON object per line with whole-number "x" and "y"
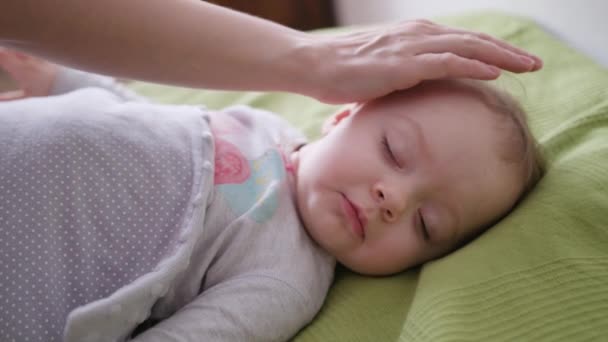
{"x": 392, "y": 203}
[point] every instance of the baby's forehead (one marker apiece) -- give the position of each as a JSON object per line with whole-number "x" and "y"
{"x": 438, "y": 97}
{"x": 432, "y": 91}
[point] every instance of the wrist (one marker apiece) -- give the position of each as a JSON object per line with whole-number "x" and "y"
{"x": 302, "y": 74}
{"x": 319, "y": 71}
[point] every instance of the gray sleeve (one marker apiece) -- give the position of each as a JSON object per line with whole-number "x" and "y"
{"x": 69, "y": 79}
{"x": 246, "y": 308}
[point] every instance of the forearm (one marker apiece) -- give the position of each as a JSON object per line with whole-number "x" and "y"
{"x": 182, "y": 42}
{"x": 193, "y": 43}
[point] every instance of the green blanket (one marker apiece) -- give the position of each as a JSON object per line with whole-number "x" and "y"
{"x": 541, "y": 273}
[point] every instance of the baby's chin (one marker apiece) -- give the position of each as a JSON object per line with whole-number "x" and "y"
{"x": 370, "y": 269}
{"x": 377, "y": 263}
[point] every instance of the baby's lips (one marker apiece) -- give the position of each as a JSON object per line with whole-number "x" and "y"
{"x": 363, "y": 220}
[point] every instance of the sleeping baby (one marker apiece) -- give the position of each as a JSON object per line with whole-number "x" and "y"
{"x": 123, "y": 219}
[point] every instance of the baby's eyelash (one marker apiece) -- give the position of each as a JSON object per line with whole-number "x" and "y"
{"x": 388, "y": 151}
{"x": 425, "y": 232}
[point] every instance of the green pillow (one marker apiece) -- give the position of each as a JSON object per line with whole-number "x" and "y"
{"x": 539, "y": 274}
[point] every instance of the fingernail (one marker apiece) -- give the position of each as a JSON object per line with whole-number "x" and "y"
{"x": 527, "y": 60}
{"x": 538, "y": 63}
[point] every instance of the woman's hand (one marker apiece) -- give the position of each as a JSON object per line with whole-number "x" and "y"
{"x": 33, "y": 76}
{"x": 202, "y": 45}
{"x": 364, "y": 65}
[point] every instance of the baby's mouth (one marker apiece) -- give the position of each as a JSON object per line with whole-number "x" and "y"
{"x": 353, "y": 214}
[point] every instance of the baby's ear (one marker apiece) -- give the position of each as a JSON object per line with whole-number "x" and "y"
{"x": 335, "y": 119}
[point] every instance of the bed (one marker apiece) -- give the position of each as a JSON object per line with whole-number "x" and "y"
{"x": 541, "y": 274}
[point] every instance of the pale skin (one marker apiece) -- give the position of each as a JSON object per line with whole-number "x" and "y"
{"x": 435, "y": 181}
{"x": 197, "y": 44}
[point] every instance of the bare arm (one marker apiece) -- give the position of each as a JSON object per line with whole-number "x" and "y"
{"x": 185, "y": 42}
{"x": 197, "y": 44}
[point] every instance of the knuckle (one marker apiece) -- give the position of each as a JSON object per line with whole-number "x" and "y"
{"x": 418, "y": 25}
{"x": 424, "y": 22}
{"x": 446, "y": 64}
{"x": 469, "y": 39}
{"x": 484, "y": 36}
{"x": 447, "y": 58}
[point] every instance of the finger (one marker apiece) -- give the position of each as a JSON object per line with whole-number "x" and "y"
{"x": 472, "y": 47}
{"x": 16, "y": 65}
{"x": 442, "y": 29}
{"x": 449, "y": 65}
{"x": 14, "y": 53}
{"x": 13, "y": 58}
{"x": 9, "y": 69}
{"x": 7, "y": 60}
{"x": 12, "y": 95}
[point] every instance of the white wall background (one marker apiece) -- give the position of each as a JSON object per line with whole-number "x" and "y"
{"x": 583, "y": 24}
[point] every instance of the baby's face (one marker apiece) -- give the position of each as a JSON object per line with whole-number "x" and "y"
{"x": 404, "y": 180}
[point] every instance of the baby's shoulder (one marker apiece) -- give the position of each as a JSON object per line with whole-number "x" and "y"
{"x": 262, "y": 120}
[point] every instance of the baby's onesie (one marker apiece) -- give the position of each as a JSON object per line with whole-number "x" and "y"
{"x": 212, "y": 249}
{"x": 263, "y": 277}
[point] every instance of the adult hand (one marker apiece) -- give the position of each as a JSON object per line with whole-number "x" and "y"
{"x": 207, "y": 46}
{"x": 360, "y": 66}
{"x": 33, "y": 76}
